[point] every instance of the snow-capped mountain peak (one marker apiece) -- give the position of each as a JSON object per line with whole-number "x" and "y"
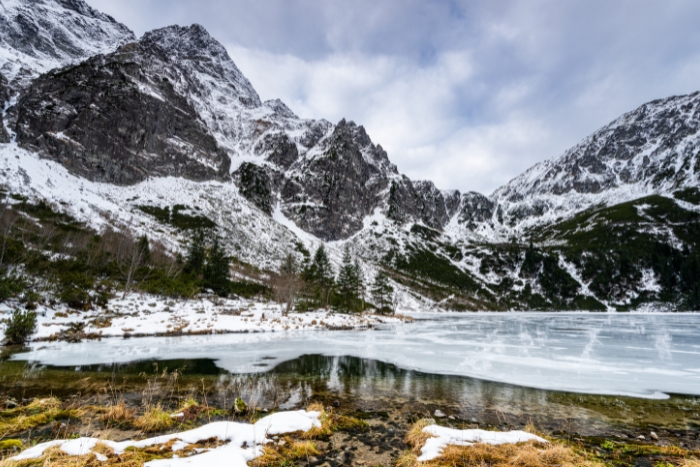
{"x": 194, "y": 46}
{"x": 38, "y": 35}
{"x": 652, "y": 149}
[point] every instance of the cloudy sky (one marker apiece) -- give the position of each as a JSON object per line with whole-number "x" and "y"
{"x": 469, "y": 93}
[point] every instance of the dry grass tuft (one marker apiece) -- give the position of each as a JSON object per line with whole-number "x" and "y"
{"x": 119, "y": 414}
{"x": 691, "y": 463}
{"x": 54, "y": 457}
{"x": 332, "y": 422}
{"x": 407, "y": 459}
{"x": 38, "y": 413}
{"x": 416, "y": 437}
{"x": 316, "y": 407}
{"x": 275, "y": 456}
{"x": 302, "y": 449}
{"x": 155, "y": 419}
{"x": 510, "y": 455}
{"x": 485, "y": 455}
{"x": 522, "y": 455}
{"x": 102, "y": 448}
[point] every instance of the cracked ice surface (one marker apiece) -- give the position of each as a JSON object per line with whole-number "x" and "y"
{"x": 641, "y": 354}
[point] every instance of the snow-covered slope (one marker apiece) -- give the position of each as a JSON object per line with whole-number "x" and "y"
{"x": 247, "y": 232}
{"x": 653, "y": 149}
{"x": 39, "y": 35}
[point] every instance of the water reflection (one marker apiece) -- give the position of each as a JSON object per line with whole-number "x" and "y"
{"x": 357, "y": 384}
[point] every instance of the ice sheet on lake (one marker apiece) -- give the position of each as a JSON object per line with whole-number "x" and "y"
{"x": 647, "y": 355}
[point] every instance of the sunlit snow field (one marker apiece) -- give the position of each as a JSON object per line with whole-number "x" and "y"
{"x": 647, "y": 355}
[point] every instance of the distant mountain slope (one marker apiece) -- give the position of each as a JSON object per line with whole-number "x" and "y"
{"x": 653, "y": 149}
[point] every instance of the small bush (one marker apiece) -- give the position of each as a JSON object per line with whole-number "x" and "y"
{"x": 20, "y": 326}
{"x": 11, "y": 286}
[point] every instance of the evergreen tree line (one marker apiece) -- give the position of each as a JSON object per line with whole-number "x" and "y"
{"x": 48, "y": 256}
{"x": 314, "y": 284}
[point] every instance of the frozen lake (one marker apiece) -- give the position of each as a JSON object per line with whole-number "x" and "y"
{"x": 645, "y": 355}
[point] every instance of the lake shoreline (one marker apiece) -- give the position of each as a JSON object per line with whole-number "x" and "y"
{"x": 153, "y": 316}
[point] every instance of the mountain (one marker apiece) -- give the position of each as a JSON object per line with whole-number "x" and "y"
{"x": 132, "y": 134}
{"x": 653, "y": 149}
{"x": 175, "y": 104}
{"x": 39, "y": 35}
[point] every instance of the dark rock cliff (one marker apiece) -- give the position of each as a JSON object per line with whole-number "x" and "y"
{"x": 330, "y": 193}
{"x": 114, "y": 119}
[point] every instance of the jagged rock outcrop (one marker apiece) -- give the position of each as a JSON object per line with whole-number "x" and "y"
{"x": 255, "y": 185}
{"x": 4, "y": 97}
{"x": 330, "y": 193}
{"x": 117, "y": 119}
{"x": 475, "y": 208}
{"x": 279, "y": 149}
{"x": 421, "y": 202}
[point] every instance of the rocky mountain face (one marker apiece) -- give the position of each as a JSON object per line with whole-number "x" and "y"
{"x": 612, "y": 223}
{"x": 5, "y": 94}
{"x": 175, "y": 104}
{"x": 39, "y": 35}
{"x": 117, "y": 118}
{"x": 653, "y": 149}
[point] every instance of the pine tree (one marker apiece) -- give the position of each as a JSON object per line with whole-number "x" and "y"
{"x": 216, "y": 271}
{"x": 347, "y": 281}
{"x": 196, "y": 253}
{"x": 319, "y": 274}
{"x": 382, "y": 291}
{"x": 359, "y": 284}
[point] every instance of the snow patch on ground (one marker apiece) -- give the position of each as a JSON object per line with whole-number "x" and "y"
{"x": 245, "y": 441}
{"x": 149, "y": 315}
{"x": 449, "y": 436}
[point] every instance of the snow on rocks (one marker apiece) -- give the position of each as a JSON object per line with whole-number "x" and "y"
{"x": 244, "y": 441}
{"x": 148, "y": 315}
{"x": 445, "y": 436}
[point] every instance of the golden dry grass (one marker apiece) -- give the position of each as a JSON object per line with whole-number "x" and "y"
{"x": 691, "y": 463}
{"x": 274, "y": 455}
{"x": 54, "y": 457}
{"x": 505, "y": 455}
{"x": 155, "y": 419}
{"x": 38, "y": 413}
{"x": 407, "y": 459}
{"x": 485, "y": 455}
{"x": 416, "y": 437}
{"x": 119, "y": 413}
{"x": 332, "y": 422}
